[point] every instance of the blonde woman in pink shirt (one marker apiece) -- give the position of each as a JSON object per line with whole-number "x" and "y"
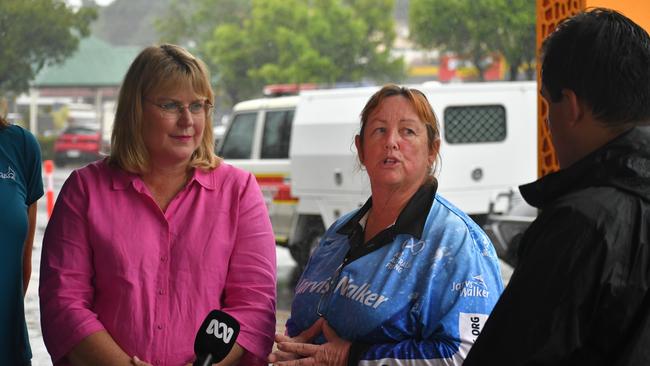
{"x": 143, "y": 244}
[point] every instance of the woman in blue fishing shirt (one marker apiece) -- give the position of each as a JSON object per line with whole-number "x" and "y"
{"x": 408, "y": 277}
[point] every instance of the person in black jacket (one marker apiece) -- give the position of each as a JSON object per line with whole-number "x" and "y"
{"x": 579, "y": 295}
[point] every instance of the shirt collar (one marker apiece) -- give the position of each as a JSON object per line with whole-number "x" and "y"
{"x": 410, "y": 221}
{"x": 122, "y": 179}
{"x": 204, "y": 177}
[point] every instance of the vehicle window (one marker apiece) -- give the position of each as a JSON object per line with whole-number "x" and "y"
{"x": 83, "y": 121}
{"x": 475, "y": 124}
{"x": 238, "y": 143}
{"x": 277, "y": 134}
{"x": 80, "y": 131}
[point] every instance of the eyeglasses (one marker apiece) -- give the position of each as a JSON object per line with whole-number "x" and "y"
{"x": 326, "y": 295}
{"x": 172, "y": 109}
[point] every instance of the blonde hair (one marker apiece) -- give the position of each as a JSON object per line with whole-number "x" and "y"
{"x": 422, "y": 108}
{"x": 163, "y": 67}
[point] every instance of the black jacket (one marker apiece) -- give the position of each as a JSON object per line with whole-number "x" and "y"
{"x": 579, "y": 295}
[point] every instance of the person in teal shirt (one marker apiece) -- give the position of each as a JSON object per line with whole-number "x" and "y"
{"x": 21, "y": 185}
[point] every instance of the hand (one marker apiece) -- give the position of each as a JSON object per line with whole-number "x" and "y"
{"x": 305, "y": 337}
{"x": 135, "y": 361}
{"x": 334, "y": 352}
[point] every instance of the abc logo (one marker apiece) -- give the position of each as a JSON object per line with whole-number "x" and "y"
{"x": 220, "y": 330}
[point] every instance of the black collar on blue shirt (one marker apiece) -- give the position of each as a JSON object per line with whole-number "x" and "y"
{"x": 410, "y": 221}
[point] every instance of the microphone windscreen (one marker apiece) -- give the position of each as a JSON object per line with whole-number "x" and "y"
{"x": 216, "y": 336}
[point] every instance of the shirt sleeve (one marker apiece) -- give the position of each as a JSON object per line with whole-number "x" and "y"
{"x": 458, "y": 295}
{"x": 250, "y": 290}
{"x": 66, "y": 289}
{"x": 33, "y": 175}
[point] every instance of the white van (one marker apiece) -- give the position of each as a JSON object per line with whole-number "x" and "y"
{"x": 257, "y": 139}
{"x": 488, "y": 145}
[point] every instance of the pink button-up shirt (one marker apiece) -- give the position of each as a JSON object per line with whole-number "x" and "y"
{"x": 113, "y": 260}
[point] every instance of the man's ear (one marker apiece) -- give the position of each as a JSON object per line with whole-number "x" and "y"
{"x": 572, "y": 106}
{"x": 357, "y": 144}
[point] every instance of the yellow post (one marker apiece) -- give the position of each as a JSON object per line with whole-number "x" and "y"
{"x": 549, "y": 13}
{"x": 637, "y": 10}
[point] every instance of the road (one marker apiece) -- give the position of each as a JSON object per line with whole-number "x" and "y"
{"x": 285, "y": 269}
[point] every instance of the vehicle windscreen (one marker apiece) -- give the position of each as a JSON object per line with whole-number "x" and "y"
{"x": 81, "y": 131}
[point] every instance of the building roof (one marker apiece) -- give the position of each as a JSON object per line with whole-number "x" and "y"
{"x": 95, "y": 63}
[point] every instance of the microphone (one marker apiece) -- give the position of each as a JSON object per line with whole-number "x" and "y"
{"x": 215, "y": 338}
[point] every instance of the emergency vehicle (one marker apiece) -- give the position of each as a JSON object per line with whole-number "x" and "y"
{"x": 301, "y": 149}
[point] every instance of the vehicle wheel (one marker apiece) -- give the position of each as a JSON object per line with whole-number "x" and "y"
{"x": 302, "y": 252}
{"x": 304, "y": 248}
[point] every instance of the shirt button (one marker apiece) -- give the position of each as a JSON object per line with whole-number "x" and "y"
{"x": 161, "y": 292}
{"x": 160, "y": 326}
{"x": 163, "y": 258}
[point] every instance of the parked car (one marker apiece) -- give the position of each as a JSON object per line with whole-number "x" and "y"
{"x": 80, "y": 144}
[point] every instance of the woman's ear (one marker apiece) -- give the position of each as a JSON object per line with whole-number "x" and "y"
{"x": 433, "y": 152}
{"x": 357, "y": 144}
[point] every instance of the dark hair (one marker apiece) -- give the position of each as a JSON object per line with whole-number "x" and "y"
{"x": 604, "y": 58}
{"x": 3, "y": 122}
{"x": 420, "y": 103}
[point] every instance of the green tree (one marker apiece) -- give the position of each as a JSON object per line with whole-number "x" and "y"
{"x": 475, "y": 29}
{"x": 376, "y": 47}
{"x": 35, "y": 33}
{"x": 189, "y": 23}
{"x": 459, "y": 26}
{"x": 289, "y": 41}
{"x": 516, "y": 35}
